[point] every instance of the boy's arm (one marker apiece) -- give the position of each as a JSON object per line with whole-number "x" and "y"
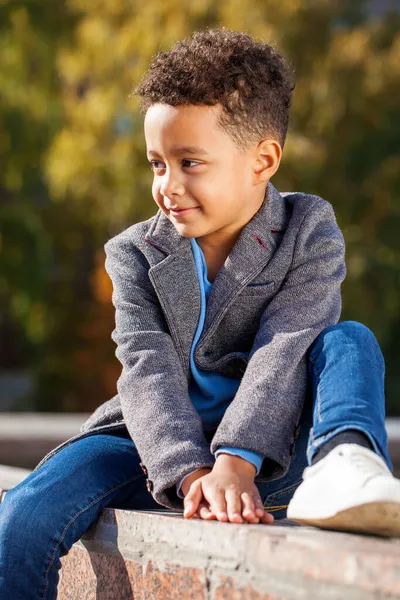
{"x": 265, "y": 412}
{"x": 160, "y": 417}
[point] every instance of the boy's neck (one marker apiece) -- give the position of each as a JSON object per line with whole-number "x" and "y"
{"x": 216, "y": 251}
{"x": 217, "y": 245}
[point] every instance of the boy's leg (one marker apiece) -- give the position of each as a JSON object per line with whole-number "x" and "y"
{"x": 347, "y": 370}
{"x": 49, "y": 511}
{"x": 348, "y": 485}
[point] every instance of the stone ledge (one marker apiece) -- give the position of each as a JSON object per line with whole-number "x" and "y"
{"x": 160, "y": 555}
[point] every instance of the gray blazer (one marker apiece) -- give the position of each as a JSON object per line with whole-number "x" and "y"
{"x": 278, "y": 289}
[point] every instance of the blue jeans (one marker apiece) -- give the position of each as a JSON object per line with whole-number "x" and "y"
{"x": 54, "y": 506}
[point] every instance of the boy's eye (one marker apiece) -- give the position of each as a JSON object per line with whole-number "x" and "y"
{"x": 155, "y": 164}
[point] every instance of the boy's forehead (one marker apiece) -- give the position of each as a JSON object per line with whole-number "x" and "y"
{"x": 171, "y": 114}
{"x": 188, "y": 128}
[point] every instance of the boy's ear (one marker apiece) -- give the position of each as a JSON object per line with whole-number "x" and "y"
{"x": 268, "y": 156}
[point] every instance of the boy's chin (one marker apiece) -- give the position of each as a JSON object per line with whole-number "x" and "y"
{"x": 188, "y": 231}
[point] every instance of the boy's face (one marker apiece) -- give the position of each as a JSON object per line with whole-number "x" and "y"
{"x": 202, "y": 182}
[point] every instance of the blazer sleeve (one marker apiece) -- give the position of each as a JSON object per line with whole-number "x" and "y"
{"x": 266, "y": 410}
{"x": 160, "y": 417}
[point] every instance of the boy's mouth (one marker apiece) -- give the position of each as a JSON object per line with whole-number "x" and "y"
{"x": 181, "y": 211}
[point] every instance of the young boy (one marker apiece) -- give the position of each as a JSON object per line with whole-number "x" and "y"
{"x": 236, "y": 373}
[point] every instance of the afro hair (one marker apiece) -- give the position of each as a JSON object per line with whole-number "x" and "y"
{"x": 251, "y": 80}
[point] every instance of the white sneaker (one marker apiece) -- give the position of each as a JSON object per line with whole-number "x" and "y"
{"x": 350, "y": 489}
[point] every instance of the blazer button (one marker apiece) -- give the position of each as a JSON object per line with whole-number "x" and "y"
{"x": 149, "y": 485}
{"x": 144, "y": 469}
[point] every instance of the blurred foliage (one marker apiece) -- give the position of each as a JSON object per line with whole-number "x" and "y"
{"x": 74, "y": 172}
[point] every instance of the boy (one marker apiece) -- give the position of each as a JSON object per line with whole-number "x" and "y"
{"x": 236, "y": 373}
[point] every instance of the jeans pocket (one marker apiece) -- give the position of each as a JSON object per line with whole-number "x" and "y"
{"x": 277, "y": 502}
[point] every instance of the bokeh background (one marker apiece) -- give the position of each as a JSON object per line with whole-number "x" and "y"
{"x": 73, "y": 170}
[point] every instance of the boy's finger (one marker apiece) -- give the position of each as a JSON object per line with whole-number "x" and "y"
{"x": 234, "y": 506}
{"x": 267, "y": 518}
{"x": 248, "y": 508}
{"x": 192, "y": 499}
{"x": 205, "y": 512}
{"x": 218, "y": 505}
{"x": 259, "y": 506}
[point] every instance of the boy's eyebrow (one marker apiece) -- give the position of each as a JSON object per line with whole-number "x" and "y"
{"x": 183, "y": 150}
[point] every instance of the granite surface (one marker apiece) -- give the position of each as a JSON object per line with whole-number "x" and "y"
{"x": 157, "y": 555}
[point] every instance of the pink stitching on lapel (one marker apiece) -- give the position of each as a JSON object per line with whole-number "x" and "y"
{"x": 276, "y": 230}
{"x": 260, "y": 241}
{"x": 151, "y": 244}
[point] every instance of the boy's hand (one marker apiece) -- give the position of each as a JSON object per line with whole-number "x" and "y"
{"x": 229, "y": 491}
{"x": 187, "y": 482}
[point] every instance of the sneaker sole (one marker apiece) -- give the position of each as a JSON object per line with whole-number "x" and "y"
{"x": 382, "y": 518}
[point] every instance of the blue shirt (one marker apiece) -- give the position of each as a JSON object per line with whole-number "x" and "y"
{"x": 211, "y": 393}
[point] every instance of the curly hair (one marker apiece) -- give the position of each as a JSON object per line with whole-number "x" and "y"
{"x": 251, "y": 80}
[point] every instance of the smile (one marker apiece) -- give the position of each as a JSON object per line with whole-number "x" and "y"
{"x": 182, "y": 211}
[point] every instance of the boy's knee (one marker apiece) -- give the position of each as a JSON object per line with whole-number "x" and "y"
{"x": 20, "y": 518}
{"x": 348, "y": 332}
{"x": 353, "y": 329}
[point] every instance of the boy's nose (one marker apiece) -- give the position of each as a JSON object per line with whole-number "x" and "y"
{"x": 171, "y": 186}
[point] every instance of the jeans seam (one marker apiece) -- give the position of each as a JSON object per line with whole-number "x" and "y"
{"x": 317, "y": 375}
{"x": 311, "y": 442}
{"x": 73, "y": 519}
{"x": 276, "y": 495}
{"x": 272, "y": 509}
{"x": 319, "y": 403}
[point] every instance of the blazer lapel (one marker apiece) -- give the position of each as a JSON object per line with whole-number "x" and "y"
{"x": 250, "y": 255}
{"x": 175, "y": 280}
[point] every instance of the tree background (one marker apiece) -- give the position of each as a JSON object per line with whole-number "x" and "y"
{"x": 73, "y": 170}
